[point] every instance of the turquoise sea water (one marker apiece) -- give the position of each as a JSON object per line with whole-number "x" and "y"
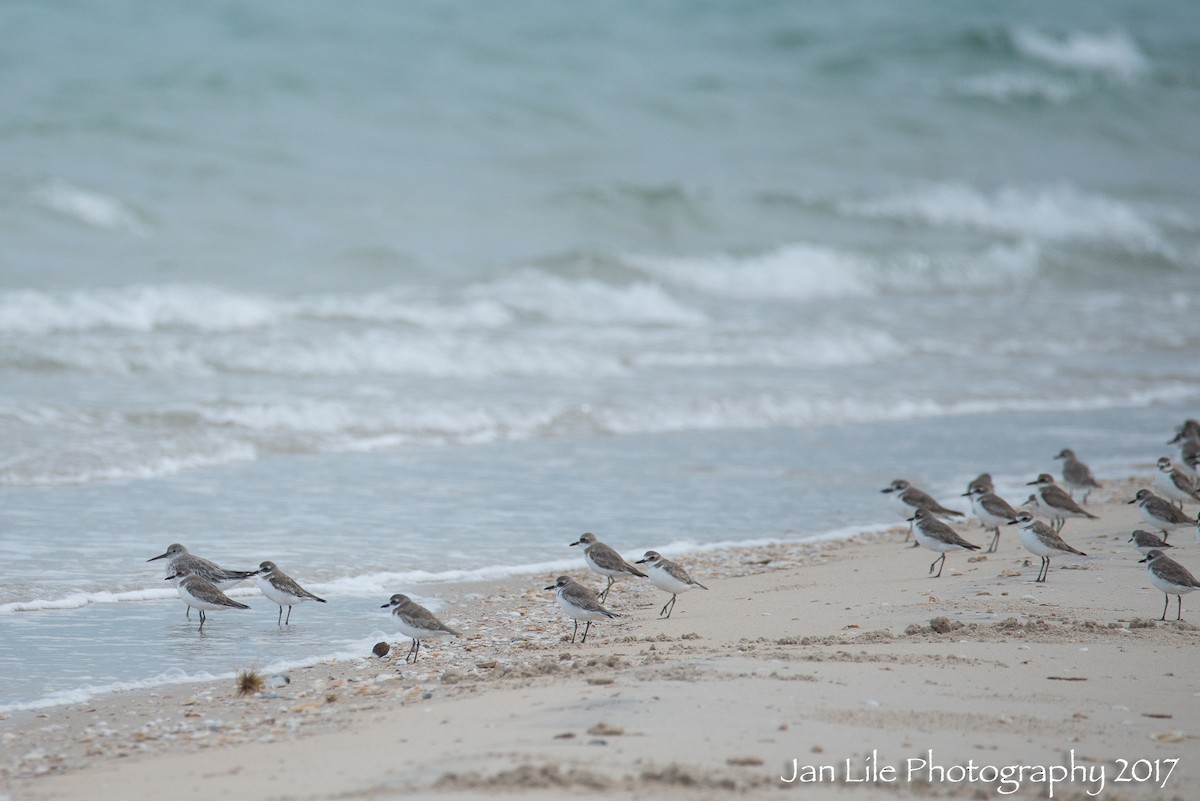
{"x": 393, "y": 294}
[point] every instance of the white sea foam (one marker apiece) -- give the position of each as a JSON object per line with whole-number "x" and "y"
{"x": 91, "y": 208}
{"x": 1112, "y": 53}
{"x": 1056, "y": 213}
{"x": 1007, "y": 87}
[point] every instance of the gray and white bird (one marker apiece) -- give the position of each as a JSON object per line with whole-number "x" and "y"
{"x": 1055, "y": 502}
{"x": 200, "y": 593}
{"x": 1159, "y": 512}
{"x": 1076, "y": 474}
{"x": 1174, "y": 484}
{"x": 937, "y": 536}
{"x": 992, "y": 510}
{"x": 579, "y": 603}
{"x": 1188, "y": 439}
{"x": 669, "y": 577}
{"x": 605, "y": 561}
{"x": 1172, "y": 578}
{"x": 282, "y": 589}
{"x": 415, "y": 621}
{"x": 1146, "y": 542}
{"x": 178, "y": 560}
{"x": 1041, "y": 540}
{"x": 908, "y": 499}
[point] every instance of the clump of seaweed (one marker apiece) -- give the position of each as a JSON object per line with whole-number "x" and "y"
{"x": 250, "y": 682}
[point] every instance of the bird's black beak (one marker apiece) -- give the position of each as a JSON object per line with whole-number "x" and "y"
{"x": 1133, "y": 501}
{"x": 172, "y": 576}
{"x": 160, "y": 556}
{"x": 1030, "y": 483}
{"x": 576, "y": 542}
{"x": 910, "y": 519}
{"x": 889, "y": 489}
{"x": 551, "y": 587}
{"x": 385, "y": 606}
{"x": 1144, "y": 559}
{"x": 966, "y": 494}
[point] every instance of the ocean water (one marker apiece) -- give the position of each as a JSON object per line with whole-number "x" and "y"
{"x": 400, "y": 295}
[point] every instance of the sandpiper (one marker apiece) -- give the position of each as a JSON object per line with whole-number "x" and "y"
{"x": 1055, "y": 503}
{"x": 909, "y": 499}
{"x": 992, "y": 510}
{"x": 178, "y": 558}
{"x": 282, "y": 589}
{"x": 937, "y": 536}
{"x": 1076, "y": 474}
{"x": 669, "y": 577}
{"x": 605, "y": 561}
{"x": 579, "y": 603}
{"x": 1041, "y": 540}
{"x": 201, "y": 593}
{"x": 1146, "y": 542}
{"x": 1174, "y": 484}
{"x": 1159, "y": 512}
{"x": 415, "y": 621}
{"x": 1170, "y": 577}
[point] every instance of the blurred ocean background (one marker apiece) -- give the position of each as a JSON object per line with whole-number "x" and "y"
{"x": 398, "y": 293}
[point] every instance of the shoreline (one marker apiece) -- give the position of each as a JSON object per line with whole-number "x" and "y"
{"x": 837, "y": 653}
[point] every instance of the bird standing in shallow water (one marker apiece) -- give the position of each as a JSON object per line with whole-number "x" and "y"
{"x": 282, "y": 589}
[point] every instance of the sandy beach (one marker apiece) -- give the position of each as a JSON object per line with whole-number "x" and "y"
{"x": 841, "y": 663}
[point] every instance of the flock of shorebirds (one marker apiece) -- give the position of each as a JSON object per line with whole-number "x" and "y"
{"x": 201, "y": 583}
{"x": 1177, "y": 484}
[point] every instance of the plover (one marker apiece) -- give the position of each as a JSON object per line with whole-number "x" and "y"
{"x": 908, "y": 499}
{"x": 1188, "y": 439}
{"x": 605, "y": 561}
{"x": 937, "y": 536}
{"x": 1076, "y": 474}
{"x": 282, "y": 589}
{"x": 992, "y": 510}
{"x": 415, "y": 621}
{"x": 1174, "y": 484}
{"x": 1055, "y": 503}
{"x": 1170, "y": 577}
{"x": 669, "y": 577}
{"x": 1159, "y": 512}
{"x": 1041, "y": 540}
{"x": 202, "y": 594}
{"x": 579, "y": 603}
{"x": 982, "y": 480}
{"x": 1146, "y": 542}
{"x": 178, "y": 558}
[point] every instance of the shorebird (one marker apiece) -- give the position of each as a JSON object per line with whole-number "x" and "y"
{"x": 1146, "y": 542}
{"x": 1076, "y": 474}
{"x": 579, "y": 603}
{"x": 1170, "y": 577}
{"x": 1054, "y": 502}
{"x": 937, "y": 536}
{"x": 415, "y": 621}
{"x": 201, "y": 593}
{"x": 982, "y": 480}
{"x": 1188, "y": 439}
{"x": 605, "y": 561}
{"x": 178, "y": 559}
{"x": 1174, "y": 484}
{"x": 669, "y": 577}
{"x": 992, "y": 510}
{"x": 909, "y": 499}
{"x": 282, "y": 589}
{"x": 1041, "y": 540}
{"x": 1159, "y": 512}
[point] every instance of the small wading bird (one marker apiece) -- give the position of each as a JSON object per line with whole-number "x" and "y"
{"x": 579, "y": 603}
{"x": 605, "y": 561}
{"x": 1054, "y": 502}
{"x": 1041, "y": 540}
{"x": 202, "y": 594}
{"x": 415, "y": 621}
{"x": 993, "y": 511}
{"x": 178, "y": 559}
{"x": 1170, "y": 577}
{"x": 1076, "y": 474}
{"x": 282, "y": 589}
{"x": 1160, "y": 512}
{"x": 669, "y": 577}
{"x": 937, "y": 536}
{"x": 1174, "y": 484}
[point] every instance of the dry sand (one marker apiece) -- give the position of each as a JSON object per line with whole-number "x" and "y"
{"x": 836, "y": 656}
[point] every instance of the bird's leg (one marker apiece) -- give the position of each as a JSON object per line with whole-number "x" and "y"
{"x": 585, "y": 631}
{"x": 1166, "y": 602}
{"x": 995, "y": 540}
{"x": 288, "y": 622}
{"x": 941, "y": 559}
{"x": 1178, "y": 607}
{"x": 574, "y": 631}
